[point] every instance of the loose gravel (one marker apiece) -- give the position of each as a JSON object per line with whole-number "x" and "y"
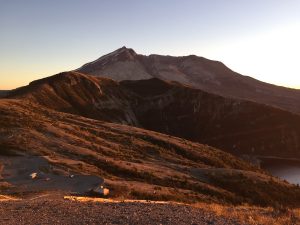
{"x": 59, "y": 211}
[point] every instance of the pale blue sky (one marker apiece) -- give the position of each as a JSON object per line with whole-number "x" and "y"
{"x": 258, "y": 38}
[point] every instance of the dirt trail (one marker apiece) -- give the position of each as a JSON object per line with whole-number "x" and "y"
{"x": 46, "y": 210}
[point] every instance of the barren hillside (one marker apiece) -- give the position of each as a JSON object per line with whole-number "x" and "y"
{"x": 133, "y": 162}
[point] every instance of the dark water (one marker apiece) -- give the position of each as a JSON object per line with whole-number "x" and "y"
{"x": 285, "y": 169}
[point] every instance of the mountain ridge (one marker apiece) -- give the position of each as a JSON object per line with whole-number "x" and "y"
{"x": 198, "y": 72}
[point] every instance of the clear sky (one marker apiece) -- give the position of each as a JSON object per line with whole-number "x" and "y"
{"x": 259, "y": 38}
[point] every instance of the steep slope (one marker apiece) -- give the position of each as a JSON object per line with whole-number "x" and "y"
{"x": 133, "y": 162}
{"x": 198, "y": 72}
{"x": 237, "y": 126}
{"x": 76, "y": 93}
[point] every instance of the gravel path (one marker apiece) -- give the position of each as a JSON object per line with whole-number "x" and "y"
{"x": 59, "y": 211}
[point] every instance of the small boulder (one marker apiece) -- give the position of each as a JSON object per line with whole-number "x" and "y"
{"x": 100, "y": 191}
{"x": 33, "y": 175}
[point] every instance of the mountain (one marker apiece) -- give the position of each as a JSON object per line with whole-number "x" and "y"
{"x": 197, "y": 72}
{"x": 234, "y": 125}
{"x": 65, "y": 150}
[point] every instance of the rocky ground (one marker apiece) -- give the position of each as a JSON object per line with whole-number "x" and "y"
{"x": 45, "y": 210}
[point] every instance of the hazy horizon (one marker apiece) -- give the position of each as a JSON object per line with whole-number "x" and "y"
{"x": 257, "y": 39}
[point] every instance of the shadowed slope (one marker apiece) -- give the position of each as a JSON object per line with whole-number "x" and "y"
{"x": 238, "y": 126}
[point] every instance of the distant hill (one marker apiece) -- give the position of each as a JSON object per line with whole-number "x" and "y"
{"x": 198, "y": 72}
{"x": 3, "y": 93}
{"x": 236, "y": 126}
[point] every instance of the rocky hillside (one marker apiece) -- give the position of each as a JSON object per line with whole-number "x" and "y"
{"x": 237, "y": 126}
{"x": 134, "y": 163}
{"x": 197, "y": 72}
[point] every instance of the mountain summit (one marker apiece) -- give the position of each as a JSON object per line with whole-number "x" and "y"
{"x": 197, "y": 72}
{"x": 122, "y": 64}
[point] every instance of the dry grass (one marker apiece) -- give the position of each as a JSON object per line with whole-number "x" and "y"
{"x": 4, "y": 198}
{"x": 109, "y": 200}
{"x": 254, "y": 215}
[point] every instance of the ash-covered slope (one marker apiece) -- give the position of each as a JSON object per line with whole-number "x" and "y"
{"x": 237, "y": 126}
{"x": 133, "y": 162}
{"x": 198, "y": 72}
